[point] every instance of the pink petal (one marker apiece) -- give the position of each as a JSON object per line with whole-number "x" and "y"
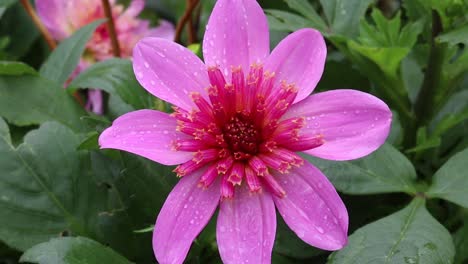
{"x": 184, "y": 214}
{"x": 164, "y": 30}
{"x": 236, "y": 35}
{"x": 299, "y": 59}
{"x": 169, "y": 71}
{"x": 95, "y": 101}
{"x": 352, "y": 123}
{"x": 246, "y": 227}
{"x": 312, "y": 208}
{"x": 147, "y": 133}
{"x": 53, "y": 14}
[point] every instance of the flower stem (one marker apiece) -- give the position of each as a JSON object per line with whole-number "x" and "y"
{"x": 185, "y": 18}
{"x": 45, "y": 33}
{"x": 111, "y": 28}
{"x": 191, "y": 27}
{"x": 425, "y": 102}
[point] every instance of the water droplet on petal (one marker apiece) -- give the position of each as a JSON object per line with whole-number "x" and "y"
{"x": 319, "y": 229}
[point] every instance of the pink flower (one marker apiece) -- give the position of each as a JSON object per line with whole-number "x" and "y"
{"x": 239, "y": 120}
{"x": 63, "y": 17}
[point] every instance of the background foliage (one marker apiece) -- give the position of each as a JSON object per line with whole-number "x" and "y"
{"x": 63, "y": 200}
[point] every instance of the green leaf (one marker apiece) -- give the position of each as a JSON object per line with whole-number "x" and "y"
{"x": 412, "y": 76}
{"x": 450, "y": 182}
{"x": 388, "y": 59}
{"x": 45, "y": 189}
{"x": 15, "y": 68}
{"x": 453, "y": 113}
{"x": 116, "y": 77}
{"x": 308, "y": 11}
{"x": 145, "y": 230}
{"x": 21, "y": 31}
{"x": 461, "y": 244}
{"x": 395, "y": 136}
{"x": 417, "y": 9}
{"x": 384, "y": 171}
{"x": 96, "y": 122}
{"x": 450, "y": 11}
{"x": 281, "y": 20}
{"x": 117, "y": 107}
{"x": 64, "y": 59}
{"x": 72, "y": 250}
{"x": 90, "y": 142}
{"x": 196, "y": 48}
{"x": 386, "y": 43}
{"x": 430, "y": 143}
{"x": 455, "y": 36}
{"x": 410, "y": 235}
{"x": 343, "y": 16}
{"x": 27, "y": 100}
{"x": 423, "y": 142}
{"x": 138, "y": 188}
{"x": 4, "y": 5}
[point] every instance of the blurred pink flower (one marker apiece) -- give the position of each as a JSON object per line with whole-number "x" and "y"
{"x": 63, "y": 17}
{"x": 239, "y": 120}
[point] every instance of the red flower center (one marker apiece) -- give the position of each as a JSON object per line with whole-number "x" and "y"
{"x": 240, "y": 135}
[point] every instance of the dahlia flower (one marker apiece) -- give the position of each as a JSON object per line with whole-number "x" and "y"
{"x": 239, "y": 120}
{"x": 63, "y": 17}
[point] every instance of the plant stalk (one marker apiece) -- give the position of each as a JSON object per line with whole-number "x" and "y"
{"x": 45, "y": 33}
{"x": 185, "y": 18}
{"x": 111, "y": 28}
{"x": 425, "y": 102}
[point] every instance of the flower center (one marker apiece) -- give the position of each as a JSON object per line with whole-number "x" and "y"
{"x": 239, "y": 134}
{"x": 242, "y": 136}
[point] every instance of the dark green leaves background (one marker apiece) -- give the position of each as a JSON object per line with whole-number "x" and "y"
{"x": 62, "y": 200}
